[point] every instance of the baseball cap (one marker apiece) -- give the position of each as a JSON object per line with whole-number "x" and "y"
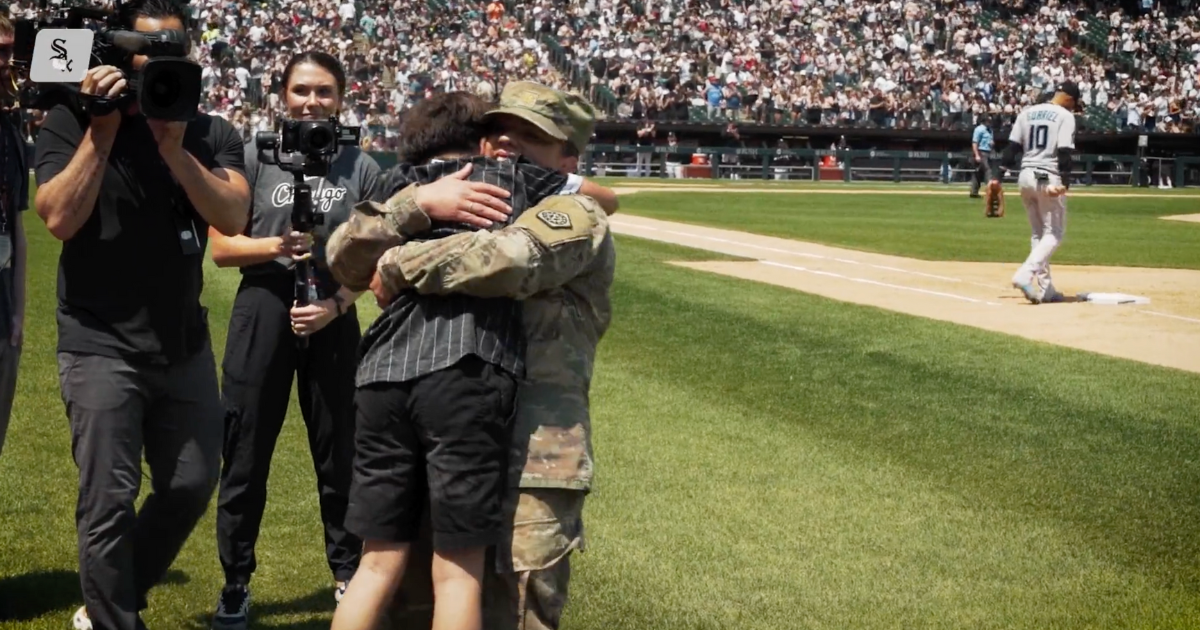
{"x": 1071, "y": 89}
{"x": 562, "y": 116}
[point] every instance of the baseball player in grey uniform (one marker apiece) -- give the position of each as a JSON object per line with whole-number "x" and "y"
{"x": 1045, "y": 135}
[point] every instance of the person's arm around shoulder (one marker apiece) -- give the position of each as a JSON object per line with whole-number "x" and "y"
{"x": 578, "y": 184}
{"x": 69, "y": 172}
{"x": 605, "y": 196}
{"x": 544, "y": 248}
{"x": 354, "y": 248}
{"x": 221, "y": 195}
{"x": 367, "y": 181}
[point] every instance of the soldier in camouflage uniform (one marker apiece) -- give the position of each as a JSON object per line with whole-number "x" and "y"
{"x": 559, "y": 258}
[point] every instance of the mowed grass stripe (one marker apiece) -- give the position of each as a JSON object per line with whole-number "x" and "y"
{"x": 1121, "y": 232}
{"x": 772, "y": 459}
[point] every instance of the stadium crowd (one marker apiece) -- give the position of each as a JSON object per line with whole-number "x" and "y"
{"x": 898, "y": 63}
{"x": 395, "y": 56}
{"x": 889, "y": 64}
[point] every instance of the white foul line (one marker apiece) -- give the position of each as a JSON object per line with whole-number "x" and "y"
{"x": 1186, "y": 319}
{"x": 795, "y": 253}
{"x": 880, "y": 284}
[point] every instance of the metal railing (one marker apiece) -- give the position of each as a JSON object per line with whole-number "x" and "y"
{"x": 850, "y": 166}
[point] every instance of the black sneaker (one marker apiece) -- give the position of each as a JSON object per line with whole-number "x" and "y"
{"x": 232, "y": 608}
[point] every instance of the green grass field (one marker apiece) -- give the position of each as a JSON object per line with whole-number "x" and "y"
{"x": 767, "y": 458}
{"x": 1100, "y": 231}
{"x": 957, "y": 187}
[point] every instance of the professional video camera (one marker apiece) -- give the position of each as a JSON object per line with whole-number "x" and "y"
{"x": 166, "y": 88}
{"x": 310, "y": 146}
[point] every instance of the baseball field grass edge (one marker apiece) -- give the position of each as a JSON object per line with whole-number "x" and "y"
{"x": 772, "y": 459}
{"x": 1117, "y": 232}
{"x": 767, "y": 459}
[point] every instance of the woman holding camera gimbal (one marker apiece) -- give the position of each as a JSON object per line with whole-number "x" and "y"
{"x": 271, "y": 337}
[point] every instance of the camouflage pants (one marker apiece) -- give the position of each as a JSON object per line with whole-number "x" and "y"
{"x": 525, "y": 587}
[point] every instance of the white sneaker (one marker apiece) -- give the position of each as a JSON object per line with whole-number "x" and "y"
{"x": 233, "y": 608}
{"x": 340, "y": 591}
{"x": 81, "y": 621}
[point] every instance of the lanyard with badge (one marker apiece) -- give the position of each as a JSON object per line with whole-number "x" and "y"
{"x": 185, "y": 223}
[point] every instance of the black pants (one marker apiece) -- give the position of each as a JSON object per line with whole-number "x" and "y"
{"x": 117, "y": 411}
{"x": 983, "y": 173}
{"x": 261, "y": 355}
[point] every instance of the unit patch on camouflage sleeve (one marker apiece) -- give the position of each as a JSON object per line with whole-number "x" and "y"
{"x": 555, "y": 219}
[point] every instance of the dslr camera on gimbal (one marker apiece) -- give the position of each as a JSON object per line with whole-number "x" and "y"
{"x": 166, "y": 88}
{"x": 315, "y": 139}
{"x": 310, "y": 146}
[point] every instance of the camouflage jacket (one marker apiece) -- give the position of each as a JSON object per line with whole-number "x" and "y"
{"x": 559, "y": 258}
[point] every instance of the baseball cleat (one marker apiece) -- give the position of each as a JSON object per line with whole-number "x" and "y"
{"x": 1030, "y": 291}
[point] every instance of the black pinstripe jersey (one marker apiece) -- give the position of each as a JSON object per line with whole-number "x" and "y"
{"x": 419, "y": 334}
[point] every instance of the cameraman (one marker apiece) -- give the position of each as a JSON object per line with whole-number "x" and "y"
{"x": 14, "y": 200}
{"x": 262, "y": 354}
{"x": 132, "y": 200}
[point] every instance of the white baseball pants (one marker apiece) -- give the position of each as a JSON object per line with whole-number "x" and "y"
{"x": 1047, "y": 223}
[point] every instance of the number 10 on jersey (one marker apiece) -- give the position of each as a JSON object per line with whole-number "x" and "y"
{"x": 1038, "y": 136}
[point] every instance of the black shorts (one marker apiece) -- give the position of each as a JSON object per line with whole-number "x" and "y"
{"x": 444, "y": 435}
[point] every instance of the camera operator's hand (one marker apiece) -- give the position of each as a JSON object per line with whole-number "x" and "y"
{"x": 168, "y": 134}
{"x": 104, "y": 82}
{"x": 307, "y": 320}
{"x": 452, "y": 198}
{"x": 294, "y": 244}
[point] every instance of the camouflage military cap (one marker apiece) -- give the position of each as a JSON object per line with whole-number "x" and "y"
{"x": 562, "y": 116}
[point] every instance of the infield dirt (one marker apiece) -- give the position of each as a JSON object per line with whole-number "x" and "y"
{"x": 1166, "y": 332}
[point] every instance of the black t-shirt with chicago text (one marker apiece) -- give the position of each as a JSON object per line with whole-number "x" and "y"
{"x": 353, "y": 176}
{"x": 126, "y": 287}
